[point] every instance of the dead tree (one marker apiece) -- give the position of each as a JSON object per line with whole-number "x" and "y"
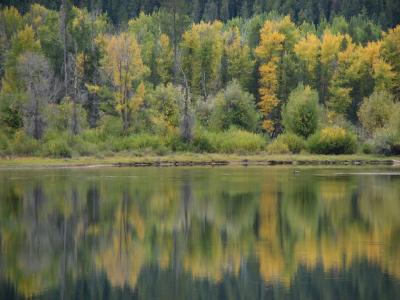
{"x": 41, "y": 89}
{"x": 64, "y": 41}
{"x": 187, "y": 117}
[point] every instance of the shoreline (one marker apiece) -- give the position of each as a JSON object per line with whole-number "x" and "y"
{"x": 194, "y": 159}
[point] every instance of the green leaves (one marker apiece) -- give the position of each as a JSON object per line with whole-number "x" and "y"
{"x": 234, "y": 107}
{"x": 301, "y": 114}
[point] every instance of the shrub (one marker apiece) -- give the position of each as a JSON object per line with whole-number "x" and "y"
{"x": 83, "y": 146}
{"x": 234, "y": 107}
{"x": 202, "y": 141}
{"x": 144, "y": 141}
{"x": 167, "y": 101}
{"x": 137, "y": 142}
{"x": 204, "y": 110}
{"x": 59, "y": 116}
{"x": 10, "y": 115}
{"x": 114, "y": 144}
{"x": 294, "y": 142}
{"x": 57, "y": 148}
{"x": 240, "y": 141}
{"x": 231, "y": 141}
{"x": 23, "y": 144}
{"x": 93, "y": 136}
{"x": 301, "y": 114}
{"x": 376, "y": 111}
{"x": 333, "y": 140}
{"x": 368, "y": 147}
{"x": 174, "y": 142}
{"x": 278, "y": 147}
{"x": 110, "y": 126}
{"x": 3, "y": 143}
{"x": 56, "y": 144}
{"x": 387, "y": 142}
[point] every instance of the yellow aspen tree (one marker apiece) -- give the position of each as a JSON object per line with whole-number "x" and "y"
{"x": 308, "y": 50}
{"x": 10, "y": 23}
{"x": 330, "y": 48}
{"x": 165, "y": 59}
{"x": 277, "y": 40}
{"x": 124, "y": 67}
{"x": 202, "y": 49}
{"x": 326, "y": 63}
{"x": 373, "y": 63}
{"x": 391, "y": 54}
{"x": 359, "y": 71}
{"x": 239, "y": 64}
{"x": 23, "y": 41}
{"x": 268, "y": 88}
{"x": 340, "y": 84}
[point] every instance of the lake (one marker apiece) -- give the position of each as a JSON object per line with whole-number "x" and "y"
{"x": 200, "y": 233}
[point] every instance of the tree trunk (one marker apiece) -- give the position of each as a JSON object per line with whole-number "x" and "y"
{"x": 204, "y": 84}
{"x": 36, "y": 129}
{"x": 125, "y": 120}
{"x": 74, "y": 121}
{"x": 186, "y": 126}
{"x": 64, "y": 41}
{"x": 175, "y": 41}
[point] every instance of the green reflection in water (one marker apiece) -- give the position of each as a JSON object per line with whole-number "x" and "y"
{"x": 200, "y": 233}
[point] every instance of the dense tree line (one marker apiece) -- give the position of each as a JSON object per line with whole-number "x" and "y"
{"x": 72, "y": 81}
{"x": 386, "y": 13}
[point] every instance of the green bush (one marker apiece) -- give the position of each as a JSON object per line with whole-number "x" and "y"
{"x": 278, "y": 147}
{"x": 56, "y": 144}
{"x": 59, "y": 116}
{"x": 376, "y": 111}
{"x": 144, "y": 141}
{"x": 4, "y": 142}
{"x": 234, "y": 107}
{"x": 294, "y": 142}
{"x": 202, "y": 141}
{"x": 204, "y": 111}
{"x": 333, "y": 140}
{"x": 10, "y": 116}
{"x": 231, "y": 141}
{"x": 174, "y": 142}
{"x": 110, "y": 126}
{"x": 301, "y": 114}
{"x": 24, "y": 144}
{"x": 93, "y": 136}
{"x": 137, "y": 142}
{"x": 58, "y": 148}
{"x": 114, "y": 144}
{"x": 83, "y": 147}
{"x": 240, "y": 141}
{"x": 166, "y": 101}
{"x": 387, "y": 142}
{"x": 368, "y": 147}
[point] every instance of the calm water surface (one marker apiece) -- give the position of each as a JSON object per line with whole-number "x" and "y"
{"x": 200, "y": 233}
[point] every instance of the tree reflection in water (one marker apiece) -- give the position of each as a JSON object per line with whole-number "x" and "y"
{"x": 198, "y": 233}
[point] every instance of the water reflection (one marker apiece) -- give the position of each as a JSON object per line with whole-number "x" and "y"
{"x": 199, "y": 233}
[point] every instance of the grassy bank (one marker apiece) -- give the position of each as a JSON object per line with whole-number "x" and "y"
{"x": 187, "y": 159}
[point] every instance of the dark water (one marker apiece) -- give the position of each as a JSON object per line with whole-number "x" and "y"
{"x": 200, "y": 233}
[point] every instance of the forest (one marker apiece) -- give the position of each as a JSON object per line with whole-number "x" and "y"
{"x": 83, "y": 78}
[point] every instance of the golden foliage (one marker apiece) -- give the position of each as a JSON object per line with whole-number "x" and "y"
{"x": 308, "y": 50}
{"x": 239, "y": 63}
{"x": 202, "y": 49}
{"x": 277, "y": 38}
{"x": 165, "y": 59}
{"x": 124, "y": 66}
